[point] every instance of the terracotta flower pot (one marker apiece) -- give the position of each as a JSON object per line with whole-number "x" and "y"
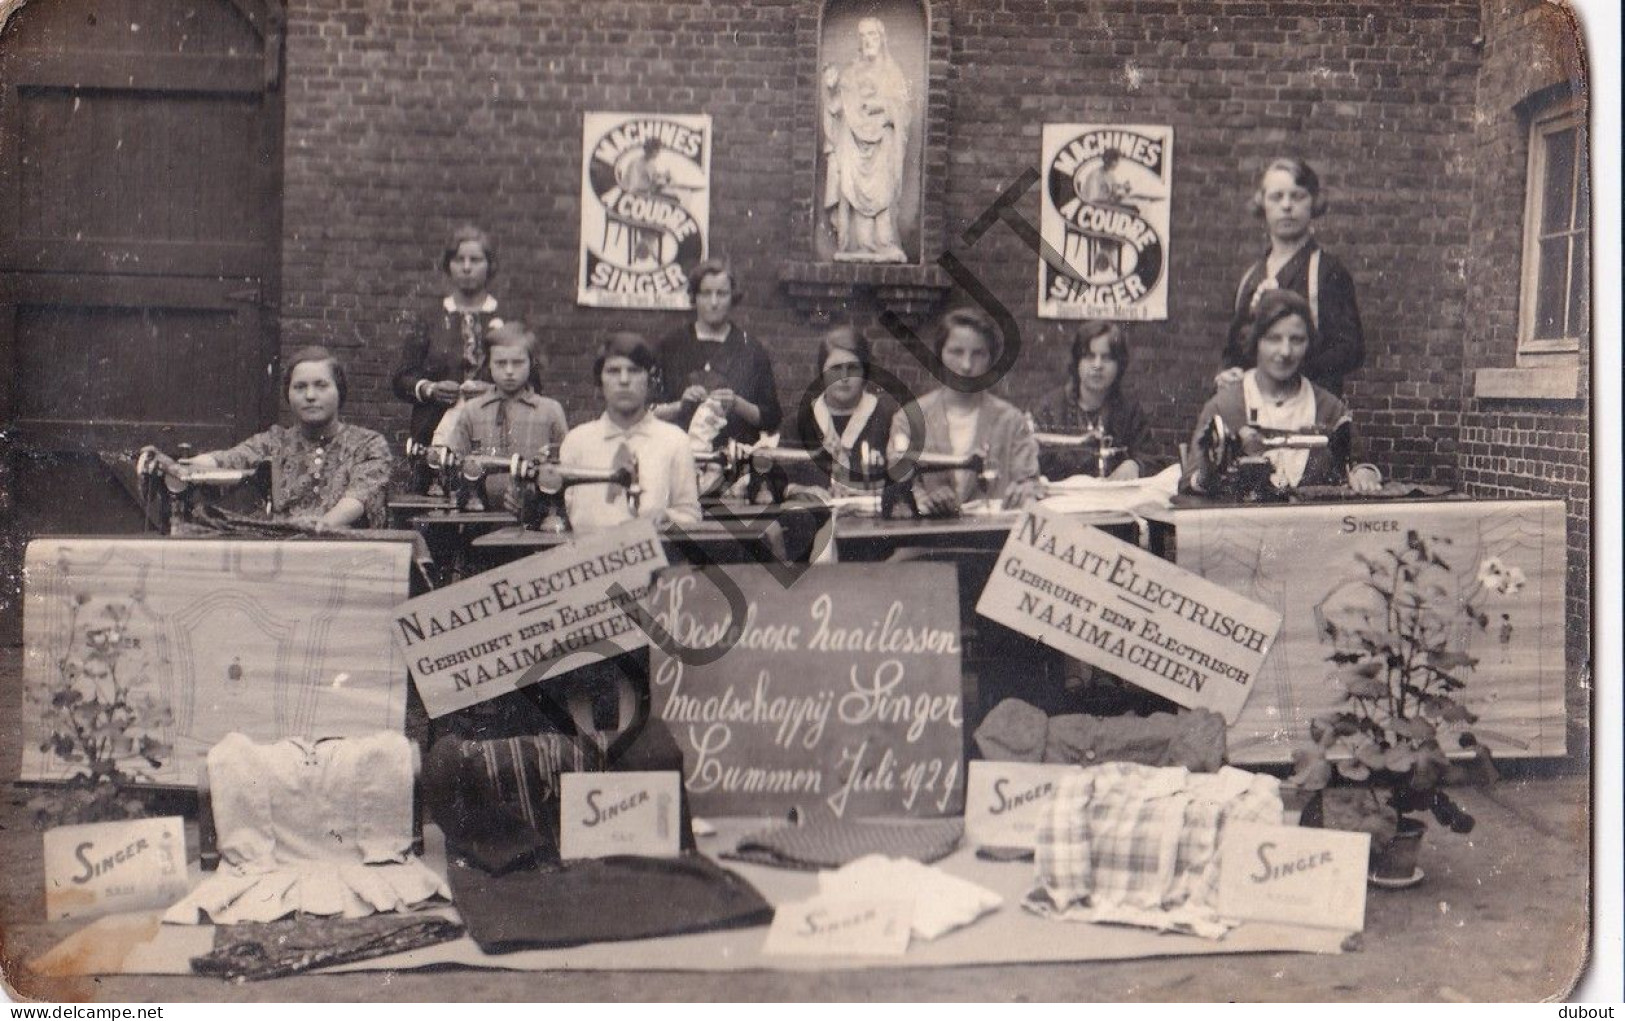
{"x": 1394, "y": 863}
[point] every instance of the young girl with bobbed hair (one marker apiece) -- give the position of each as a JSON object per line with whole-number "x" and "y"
{"x": 712, "y": 363}
{"x": 967, "y": 343}
{"x": 1289, "y": 199}
{"x": 844, "y": 419}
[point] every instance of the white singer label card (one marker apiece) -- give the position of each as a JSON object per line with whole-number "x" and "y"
{"x": 107, "y": 867}
{"x": 841, "y": 928}
{"x": 1294, "y": 874}
{"x": 602, "y": 814}
{"x": 1005, "y": 800}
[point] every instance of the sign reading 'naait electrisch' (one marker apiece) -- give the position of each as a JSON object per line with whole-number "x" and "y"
{"x": 1115, "y": 606}
{"x": 529, "y": 620}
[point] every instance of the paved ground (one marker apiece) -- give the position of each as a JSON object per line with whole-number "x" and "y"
{"x": 1503, "y": 915}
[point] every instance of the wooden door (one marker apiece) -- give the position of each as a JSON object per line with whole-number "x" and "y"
{"x": 140, "y": 189}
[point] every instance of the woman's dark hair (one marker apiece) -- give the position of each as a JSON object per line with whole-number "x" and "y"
{"x": 972, "y": 319}
{"x": 469, "y": 232}
{"x": 1274, "y": 306}
{"x": 316, "y": 353}
{"x": 623, "y": 344}
{"x": 843, "y": 338}
{"x": 710, "y": 268}
{"x": 1116, "y": 346}
{"x": 1303, "y": 175}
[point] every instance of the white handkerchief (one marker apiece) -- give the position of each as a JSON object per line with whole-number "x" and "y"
{"x": 942, "y": 902}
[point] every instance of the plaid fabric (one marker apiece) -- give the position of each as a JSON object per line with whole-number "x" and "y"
{"x": 833, "y": 844}
{"x": 1139, "y": 844}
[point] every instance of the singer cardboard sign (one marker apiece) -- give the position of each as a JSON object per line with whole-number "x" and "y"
{"x": 1294, "y": 874}
{"x": 1117, "y": 607}
{"x": 1005, "y": 801}
{"x": 529, "y": 620}
{"x": 108, "y": 867}
{"x": 604, "y": 814}
{"x": 838, "y": 696}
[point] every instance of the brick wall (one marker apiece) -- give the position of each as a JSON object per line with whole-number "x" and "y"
{"x": 406, "y": 117}
{"x": 1522, "y": 447}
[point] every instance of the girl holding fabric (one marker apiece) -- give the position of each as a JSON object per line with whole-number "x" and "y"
{"x": 1289, "y": 200}
{"x": 1092, "y": 401}
{"x": 1277, "y": 395}
{"x": 711, "y": 371}
{"x": 443, "y": 356}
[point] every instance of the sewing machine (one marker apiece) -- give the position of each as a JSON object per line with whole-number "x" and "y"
{"x": 1233, "y": 465}
{"x": 766, "y": 467}
{"x": 927, "y": 463}
{"x": 716, "y": 471}
{"x": 179, "y": 488}
{"x": 550, "y": 479}
{"x": 460, "y": 475}
{"x": 1106, "y": 449}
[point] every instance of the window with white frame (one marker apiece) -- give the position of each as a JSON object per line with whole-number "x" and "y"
{"x": 1555, "y": 306}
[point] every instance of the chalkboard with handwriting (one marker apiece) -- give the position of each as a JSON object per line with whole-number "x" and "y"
{"x": 839, "y": 696}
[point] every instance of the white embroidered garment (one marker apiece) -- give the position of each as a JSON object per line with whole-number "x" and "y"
{"x": 1295, "y": 412}
{"x": 942, "y": 902}
{"x": 320, "y": 827}
{"x": 1139, "y": 844}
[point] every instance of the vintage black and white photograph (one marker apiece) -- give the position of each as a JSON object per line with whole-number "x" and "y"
{"x": 802, "y": 500}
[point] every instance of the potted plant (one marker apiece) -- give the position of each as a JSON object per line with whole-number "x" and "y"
{"x": 1379, "y": 760}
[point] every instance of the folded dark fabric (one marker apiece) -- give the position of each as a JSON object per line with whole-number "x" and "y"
{"x": 829, "y": 845}
{"x": 260, "y": 950}
{"x": 1017, "y": 732}
{"x": 1194, "y": 739}
{"x": 497, "y": 801}
{"x": 1013, "y": 731}
{"x": 602, "y": 900}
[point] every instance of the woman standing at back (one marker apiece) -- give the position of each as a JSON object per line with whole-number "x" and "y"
{"x": 1289, "y": 200}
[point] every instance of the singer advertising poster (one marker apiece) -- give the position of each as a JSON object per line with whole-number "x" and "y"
{"x": 1105, "y": 210}
{"x": 645, "y": 208}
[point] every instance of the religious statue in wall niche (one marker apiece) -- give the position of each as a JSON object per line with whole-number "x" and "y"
{"x": 868, "y": 108}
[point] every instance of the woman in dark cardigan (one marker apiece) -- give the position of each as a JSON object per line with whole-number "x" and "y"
{"x": 1093, "y": 401}
{"x": 846, "y": 420}
{"x": 1289, "y": 200}
{"x": 712, "y": 364}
